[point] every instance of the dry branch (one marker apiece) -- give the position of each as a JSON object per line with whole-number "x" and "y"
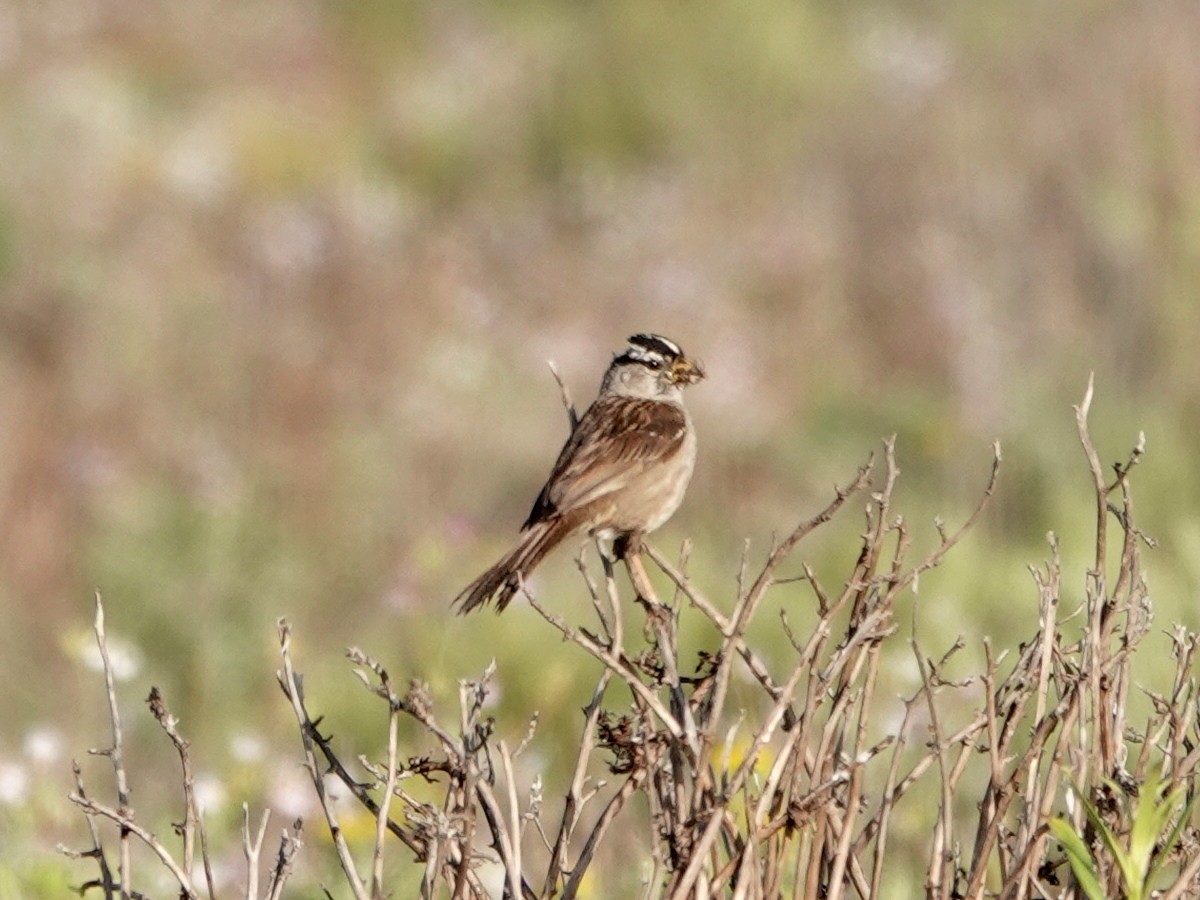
{"x": 792, "y": 790}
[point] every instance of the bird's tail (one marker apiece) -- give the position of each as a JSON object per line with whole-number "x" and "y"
{"x": 503, "y": 580}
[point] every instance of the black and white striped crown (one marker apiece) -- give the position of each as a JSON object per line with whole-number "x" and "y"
{"x": 651, "y": 349}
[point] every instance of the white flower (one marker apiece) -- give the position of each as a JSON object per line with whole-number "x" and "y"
{"x": 14, "y": 784}
{"x": 44, "y": 745}
{"x": 247, "y": 748}
{"x": 125, "y": 657}
{"x": 210, "y": 794}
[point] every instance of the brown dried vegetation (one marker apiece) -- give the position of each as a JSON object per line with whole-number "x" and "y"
{"x": 793, "y": 798}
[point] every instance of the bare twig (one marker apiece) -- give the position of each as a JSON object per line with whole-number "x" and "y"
{"x": 385, "y": 802}
{"x": 115, "y": 752}
{"x": 565, "y": 393}
{"x": 751, "y": 771}
{"x": 290, "y": 682}
{"x": 252, "y": 848}
{"x": 106, "y": 883}
{"x": 130, "y": 827}
{"x": 285, "y": 857}
{"x": 193, "y": 822}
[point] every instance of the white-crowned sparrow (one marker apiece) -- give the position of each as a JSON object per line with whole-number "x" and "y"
{"x": 622, "y": 472}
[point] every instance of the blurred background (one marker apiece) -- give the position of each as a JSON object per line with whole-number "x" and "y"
{"x": 279, "y": 282}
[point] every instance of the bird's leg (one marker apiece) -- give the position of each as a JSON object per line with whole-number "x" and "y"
{"x": 626, "y": 545}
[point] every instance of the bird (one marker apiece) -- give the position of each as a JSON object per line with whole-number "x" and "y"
{"x": 621, "y": 474}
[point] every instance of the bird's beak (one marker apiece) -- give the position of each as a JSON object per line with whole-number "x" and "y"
{"x": 686, "y": 371}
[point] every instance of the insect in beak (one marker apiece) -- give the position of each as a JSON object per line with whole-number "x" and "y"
{"x": 685, "y": 371}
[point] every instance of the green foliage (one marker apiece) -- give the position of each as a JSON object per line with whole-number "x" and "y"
{"x": 1080, "y": 858}
{"x": 1156, "y": 821}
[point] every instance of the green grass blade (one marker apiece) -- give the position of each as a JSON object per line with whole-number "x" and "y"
{"x": 1080, "y": 858}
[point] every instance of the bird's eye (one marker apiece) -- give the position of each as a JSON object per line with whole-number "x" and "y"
{"x": 655, "y": 364}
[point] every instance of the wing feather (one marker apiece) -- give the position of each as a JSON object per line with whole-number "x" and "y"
{"x": 616, "y": 440}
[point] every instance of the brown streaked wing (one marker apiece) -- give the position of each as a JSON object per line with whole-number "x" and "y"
{"x": 617, "y": 438}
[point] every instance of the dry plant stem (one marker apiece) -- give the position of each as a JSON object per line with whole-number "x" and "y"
{"x": 389, "y": 776}
{"x": 115, "y": 753}
{"x": 128, "y": 825}
{"x": 618, "y": 664}
{"x": 1048, "y": 590}
{"x": 783, "y": 760}
{"x": 1183, "y": 699}
{"x": 385, "y": 802}
{"x": 502, "y": 843}
{"x": 703, "y": 845}
{"x": 573, "y": 804}
{"x": 1061, "y": 722}
{"x": 854, "y": 660}
{"x": 450, "y": 855}
{"x": 290, "y": 682}
{"x": 514, "y": 820}
{"x": 289, "y": 846}
{"x": 640, "y": 690}
{"x": 887, "y": 803}
{"x": 858, "y": 587}
{"x": 685, "y": 757}
{"x": 948, "y": 542}
{"x": 1187, "y": 878}
{"x": 663, "y": 621}
{"x": 1108, "y": 693}
{"x": 632, "y": 784}
{"x": 565, "y": 395}
{"x": 459, "y": 798}
{"x": 335, "y": 766}
{"x": 608, "y": 613}
{"x": 853, "y": 793}
{"x": 780, "y": 552}
{"x": 732, "y": 627}
{"x": 462, "y": 870}
{"x": 1088, "y": 719}
{"x": 937, "y": 884}
{"x": 204, "y": 854}
{"x": 429, "y": 878}
{"x": 107, "y": 884}
{"x": 192, "y": 821}
{"x": 471, "y": 696}
{"x": 252, "y": 849}
{"x": 720, "y": 826}
{"x": 1033, "y": 795}
{"x": 192, "y": 826}
{"x": 1101, "y": 494}
{"x": 965, "y": 735}
{"x": 990, "y": 809}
